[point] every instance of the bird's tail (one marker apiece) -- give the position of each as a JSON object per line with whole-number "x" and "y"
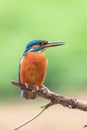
{"x": 28, "y": 95}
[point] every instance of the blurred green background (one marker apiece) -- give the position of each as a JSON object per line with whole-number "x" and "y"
{"x": 53, "y": 20}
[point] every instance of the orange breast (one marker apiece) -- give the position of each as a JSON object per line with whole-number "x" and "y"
{"x": 33, "y": 68}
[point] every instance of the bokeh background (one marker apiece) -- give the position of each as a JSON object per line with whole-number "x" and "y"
{"x": 53, "y": 20}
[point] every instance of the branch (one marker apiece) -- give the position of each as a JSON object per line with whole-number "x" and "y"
{"x": 54, "y": 98}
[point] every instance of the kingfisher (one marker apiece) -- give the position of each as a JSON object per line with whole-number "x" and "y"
{"x": 33, "y": 64}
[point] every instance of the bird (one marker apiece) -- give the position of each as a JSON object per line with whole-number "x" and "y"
{"x": 33, "y": 65}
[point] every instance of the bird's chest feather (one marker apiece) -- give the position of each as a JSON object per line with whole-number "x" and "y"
{"x": 33, "y": 68}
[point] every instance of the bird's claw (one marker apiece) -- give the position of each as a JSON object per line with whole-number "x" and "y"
{"x": 26, "y": 85}
{"x": 36, "y": 87}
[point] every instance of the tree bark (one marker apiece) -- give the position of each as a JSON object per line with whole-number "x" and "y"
{"x": 54, "y": 98}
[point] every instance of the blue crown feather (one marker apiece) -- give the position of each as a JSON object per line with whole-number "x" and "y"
{"x": 30, "y": 44}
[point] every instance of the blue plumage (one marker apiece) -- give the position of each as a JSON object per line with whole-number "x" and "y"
{"x": 32, "y": 43}
{"x": 41, "y": 44}
{"x": 28, "y": 47}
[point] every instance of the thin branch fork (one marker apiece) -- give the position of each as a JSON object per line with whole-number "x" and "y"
{"x": 54, "y": 98}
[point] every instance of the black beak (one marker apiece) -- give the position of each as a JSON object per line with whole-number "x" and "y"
{"x": 52, "y": 44}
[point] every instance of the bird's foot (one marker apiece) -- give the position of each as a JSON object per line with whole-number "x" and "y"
{"x": 36, "y": 87}
{"x": 26, "y": 85}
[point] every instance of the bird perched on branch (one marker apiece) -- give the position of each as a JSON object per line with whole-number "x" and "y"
{"x": 33, "y": 64}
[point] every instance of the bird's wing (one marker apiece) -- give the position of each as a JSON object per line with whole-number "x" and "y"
{"x": 19, "y": 69}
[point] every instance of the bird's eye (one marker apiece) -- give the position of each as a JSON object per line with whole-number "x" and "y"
{"x": 42, "y": 43}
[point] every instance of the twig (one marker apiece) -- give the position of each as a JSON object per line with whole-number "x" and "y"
{"x": 55, "y": 98}
{"x": 30, "y": 119}
{"x": 85, "y": 126}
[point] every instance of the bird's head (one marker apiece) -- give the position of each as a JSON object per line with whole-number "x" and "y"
{"x": 40, "y": 45}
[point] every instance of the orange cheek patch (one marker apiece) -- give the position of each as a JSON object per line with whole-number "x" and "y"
{"x": 34, "y": 47}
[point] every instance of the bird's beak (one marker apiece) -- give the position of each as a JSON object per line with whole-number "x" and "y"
{"x": 52, "y": 44}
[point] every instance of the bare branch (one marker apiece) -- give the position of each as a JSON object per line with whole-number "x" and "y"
{"x": 25, "y": 123}
{"x": 54, "y": 98}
